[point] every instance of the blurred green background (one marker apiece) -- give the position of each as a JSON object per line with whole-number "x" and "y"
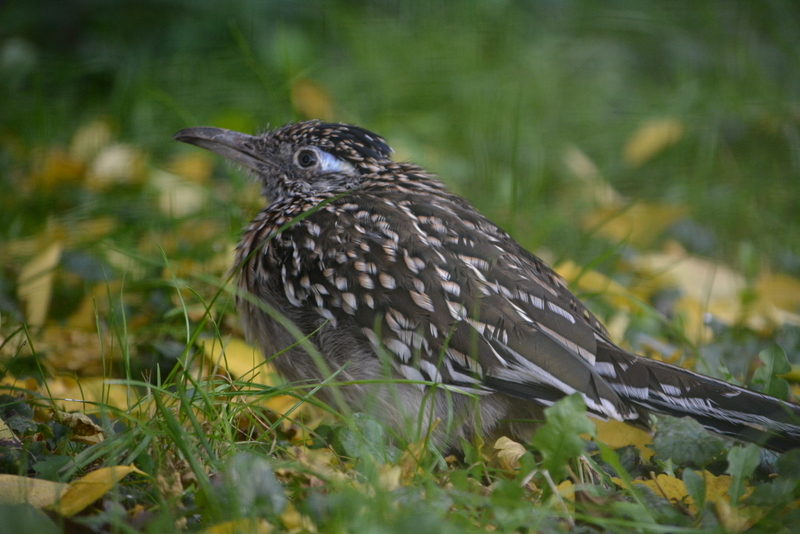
{"x": 492, "y": 96}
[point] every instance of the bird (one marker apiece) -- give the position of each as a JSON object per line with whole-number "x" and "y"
{"x": 369, "y": 273}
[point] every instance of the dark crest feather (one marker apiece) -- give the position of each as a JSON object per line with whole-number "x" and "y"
{"x": 351, "y": 143}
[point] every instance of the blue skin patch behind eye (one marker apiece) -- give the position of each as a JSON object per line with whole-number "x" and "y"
{"x": 330, "y": 163}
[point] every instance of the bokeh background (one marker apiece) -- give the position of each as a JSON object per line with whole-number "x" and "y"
{"x": 490, "y": 95}
{"x": 591, "y": 131}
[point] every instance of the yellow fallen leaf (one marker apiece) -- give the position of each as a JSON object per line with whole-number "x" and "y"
{"x": 708, "y": 287}
{"x": 674, "y": 489}
{"x": 650, "y": 139}
{"x": 95, "y": 303}
{"x": 639, "y": 224}
{"x": 39, "y": 493}
{"x": 616, "y": 434}
{"x": 116, "y": 164}
{"x": 91, "y": 230}
{"x": 125, "y": 264}
{"x": 86, "y": 490}
{"x": 389, "y": 477}
{"x": 671, "y": 488}
{"x": 595, "y": 188}
{"x": 177, "y": 197}
{"x": 793, "y": 375}
{"x": 194, "y": 166}
{"x": 36, "y": 284}
{"x": 71, "y": 395}
{"x": 311, "y": 100}
{"x": 54, "y": 167}
{"x": 10, "y": 380}
{"x": 241, "y": 526}
{"x": 69, "y": 235}
{"x": 89, "y": 139}
{"x": 241, "y": 360}
{"x": 321, "y": 462}
{"x": 7, "y": 435}
{"x": 83, "y": 428}
{"x": 717, "y": 486}
{"x": 779, "y": 289}
{"x": 411, "y": 459}
{"x": 594, "y": 282}
{"x": 246, "y": 363}
{"x": 508, "y": 453}
{"x": 80, "y": 351}
{"x": 294, "y": 521}
{"x": 735, "y": 519}
{"x": 567, "y": 490}
{"x": 692, "y": 315}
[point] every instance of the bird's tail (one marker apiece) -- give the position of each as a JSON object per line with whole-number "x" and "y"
{"x": 718, "y": 406}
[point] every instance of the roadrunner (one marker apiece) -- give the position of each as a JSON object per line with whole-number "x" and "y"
{"x": 391, "y": 276}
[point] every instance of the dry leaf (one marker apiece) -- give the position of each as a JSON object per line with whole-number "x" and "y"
{"x": 671, "y": 488}
{"x": 89, "y": 140}
{"x": 125, "y": 264}
{"x": 567, "y": 490}
{"x": 639, "y": 224}
{"x": 674, "y": 489}
{"x": 294, "y": 521}
{"x": 82, "y": 351}
{"x": 241, "y": 360}
{"x": 736, "y": 519}
{"x": 650, "y": 139}
{"x": 389, "y": 477}
{"x": 194, "y": 166}
{"x": 793, "y": 375}
{"x": 86, "y": 490}
{"x": 83, "y": 428}
{"x": 36, "y": 284}
{"x": 70, "y": 235}
{"x": 411, "y": 459}
{"x": 779, "y": 289}
{"x": 84, "y": 318}
{"x": 177, "y": 197}
{"x": 709, "y": 287}
{"x": 311, "y": 100}
{"x": 36, "y": 492}
{"x": 7, "y": 436}
{"x": 91, "y": 230}
{"x": 116, "y": 164}
{"x": 320, "y": 462}
{"x": 616, "y": 435}
{"x": 508, "y": 453}
{"x": 594, "y": 282}
{"x": 241, "y": 526}
{"x": 599, "y": 191}
{"x": 71, "y": 395}
{"x": 53, "y": 168}
{"x": 10, "y": 380}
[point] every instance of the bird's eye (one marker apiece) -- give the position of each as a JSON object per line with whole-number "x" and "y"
{"x": 306, "y": 158}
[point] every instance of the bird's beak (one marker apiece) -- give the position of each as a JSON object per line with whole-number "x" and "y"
{"x": 235, "y": 146}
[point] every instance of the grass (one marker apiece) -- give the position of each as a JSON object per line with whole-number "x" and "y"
{"x": 531, "y": 111}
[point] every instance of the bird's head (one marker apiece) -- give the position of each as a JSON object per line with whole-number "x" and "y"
{"x": 306, "y": 158}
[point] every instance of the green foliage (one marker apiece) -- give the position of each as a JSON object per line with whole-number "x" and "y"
{"x": 559, "y": 439}
{"x": 685, "y": 441}
{"x": 766, "y": 378}
{"x": 742, "y": 462}
{"x": 695, "y": 487}
{"x": 26, "y": 518}
{"x": 364, "y": 438}
{"x": 249, "y": 488}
